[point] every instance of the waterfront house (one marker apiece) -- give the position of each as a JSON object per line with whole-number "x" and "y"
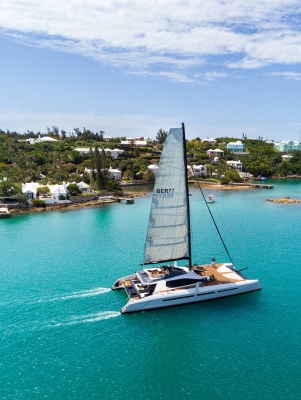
{"x": 197, "y": 170}
{"x": 84, "y": 187}
{"x": 55, "y": 195}
{"x": 216, "y": 152}
{"x": 287, "y": 146}
{"x": 235, "y": 164}
{"x": 236, "y": 147}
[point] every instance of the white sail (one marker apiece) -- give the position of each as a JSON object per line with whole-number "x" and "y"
{"x": 167, "y": 234}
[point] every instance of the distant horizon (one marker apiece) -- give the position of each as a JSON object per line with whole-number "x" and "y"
{"x": 69, "y": 134}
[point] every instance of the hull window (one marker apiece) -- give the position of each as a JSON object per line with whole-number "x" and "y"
{"x": 179, "y": 298}
{"x": 205, "y": 294}
{"x": 226, "y": 290}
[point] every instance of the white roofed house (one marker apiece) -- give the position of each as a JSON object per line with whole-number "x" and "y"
{"x": 286, "y": 157}
{"x": 84, "y": 187}
{"x": 236, "y": 147}
{"x": 197, "y": 170}
{"x": 287, "y": 146}
{"x": 211, "y": 141}
{"x": 125, "y": 143}
{"x": 112, "y": 173}
{"x": 215, "y": 153}
{"x": 114, "y": 153}
{"x": 85, "y": 151}
{"x": 153, "y": 168}
{"x": 115, "y": 174}
{"x": 42, "y": 139}
{"x": 140, "y": 143}
{"x": 235, "y": 164}
{"x": 30, "y": 189}
{"x": 57, "y": 192}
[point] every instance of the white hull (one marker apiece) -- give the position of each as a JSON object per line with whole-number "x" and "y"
{"x": 187, "y": 297}
{"x": 210, "y": 199}
{"x": 181, "y": 296}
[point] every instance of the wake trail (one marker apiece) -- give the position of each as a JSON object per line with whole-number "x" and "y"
{"x": 77, "y": 295}
{"x": 84, "y": 319}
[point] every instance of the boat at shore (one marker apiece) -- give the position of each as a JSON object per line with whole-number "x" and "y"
{"x": 168, "y": 241}
{"x": 4, "y": 212}
{"x": 260, "y": 178}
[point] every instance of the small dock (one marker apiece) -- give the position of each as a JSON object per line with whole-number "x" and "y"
{"x": 261, "y": 186}
{"x": 128, "y": 200}
{"x": 253, "y": 185}
{"x": 112, "y": 199}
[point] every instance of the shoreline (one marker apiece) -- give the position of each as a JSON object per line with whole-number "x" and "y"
{"x": 73, "y": 206}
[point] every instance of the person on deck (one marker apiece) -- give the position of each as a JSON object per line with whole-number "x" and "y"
{"x": 213, "y": 262}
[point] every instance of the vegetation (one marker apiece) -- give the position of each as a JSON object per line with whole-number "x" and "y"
{"x": 8, "y": 188}
{"x": 73, "y": 189}
{"x": 37, "y": 203}
{"x": 55, "y": 162}
{"x": 161, "y": 136}
{"x": 43, "y": 190}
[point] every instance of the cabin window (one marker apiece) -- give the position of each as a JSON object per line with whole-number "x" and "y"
{"x": 181, "y": 282}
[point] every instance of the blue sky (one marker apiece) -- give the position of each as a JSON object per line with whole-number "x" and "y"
{"x": 132, "y": 67}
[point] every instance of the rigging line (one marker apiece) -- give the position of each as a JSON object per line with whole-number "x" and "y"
{"x": 231, "y": 237}
{"x": 225, "y": 247}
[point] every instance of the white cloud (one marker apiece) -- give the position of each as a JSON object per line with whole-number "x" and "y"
{"x": 210, "y": 76}
{"x": 288, "y": 75}
{"x": 170, "y": 34}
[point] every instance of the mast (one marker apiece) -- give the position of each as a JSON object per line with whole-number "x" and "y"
{"x": 187, "y": 198}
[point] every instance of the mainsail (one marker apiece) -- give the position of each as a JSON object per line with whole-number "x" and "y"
{"x": 168, "y": 228}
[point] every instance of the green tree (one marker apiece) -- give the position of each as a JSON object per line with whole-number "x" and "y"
{"x": 43, "y": 190}
{"x": 161, "y": 136}
{"x": 8, "y": 188}
{"x": 100, "y": 168}
{"x": 73, "y": 189}
{"x": 149, "y": 176}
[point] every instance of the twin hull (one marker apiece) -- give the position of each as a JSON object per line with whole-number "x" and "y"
{"x": 187, "y": 296}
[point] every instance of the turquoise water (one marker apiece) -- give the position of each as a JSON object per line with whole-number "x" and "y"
{"x": 62, "y": 336}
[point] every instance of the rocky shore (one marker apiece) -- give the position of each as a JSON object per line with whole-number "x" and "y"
{"x": 74, "y": 206}
{"x": 284, "y": 200}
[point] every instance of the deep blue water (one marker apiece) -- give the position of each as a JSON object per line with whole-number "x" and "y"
{"x": 62, "y": 336}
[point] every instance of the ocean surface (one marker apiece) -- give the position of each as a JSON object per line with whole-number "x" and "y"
{"x": 62, "y": 336}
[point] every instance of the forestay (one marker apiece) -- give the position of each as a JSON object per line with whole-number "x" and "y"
{"x": 167, "y": 234}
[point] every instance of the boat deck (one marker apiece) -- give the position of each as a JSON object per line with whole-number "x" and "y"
{"x": 222, "y": 274}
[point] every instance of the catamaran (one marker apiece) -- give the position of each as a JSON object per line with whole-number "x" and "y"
{"x": 168, "y": 241}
